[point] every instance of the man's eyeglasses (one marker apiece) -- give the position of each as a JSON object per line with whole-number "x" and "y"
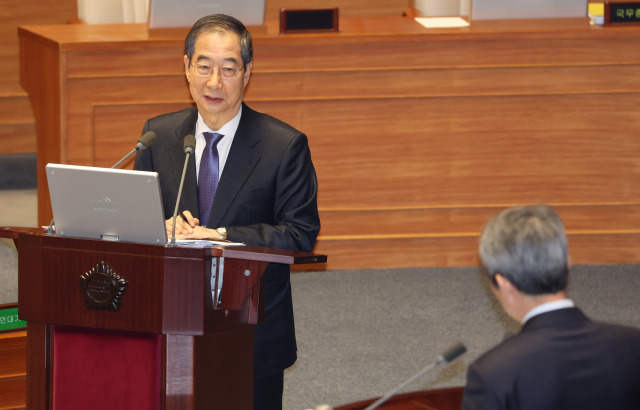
{"x": 205, "y": 70}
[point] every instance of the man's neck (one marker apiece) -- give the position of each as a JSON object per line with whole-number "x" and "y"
{"x": 219, "y": 121}
{"x": 529, "y": 302}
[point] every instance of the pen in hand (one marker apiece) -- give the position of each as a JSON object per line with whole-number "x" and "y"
{"x": 184, "y": 218}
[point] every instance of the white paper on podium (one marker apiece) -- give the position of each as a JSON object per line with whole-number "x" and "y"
{"x": 205, "y": 243}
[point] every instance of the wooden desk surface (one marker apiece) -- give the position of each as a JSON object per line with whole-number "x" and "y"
{"x": 78, "y": 36}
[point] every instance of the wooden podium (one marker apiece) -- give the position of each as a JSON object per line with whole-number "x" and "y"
{"x": 125, "y": 325}
{"x": 449, "y": 398}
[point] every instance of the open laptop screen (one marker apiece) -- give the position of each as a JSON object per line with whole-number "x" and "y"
{"x": 105, "y": 203}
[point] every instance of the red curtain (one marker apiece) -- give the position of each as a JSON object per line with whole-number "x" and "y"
{"x": 97, "y": 369}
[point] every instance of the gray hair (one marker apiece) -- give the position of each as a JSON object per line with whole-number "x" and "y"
{"x": 528, "y": 246}
{"x": 220, "y": 22}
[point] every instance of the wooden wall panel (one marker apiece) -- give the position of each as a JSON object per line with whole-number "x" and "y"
{"x": 448, "y": 236}
{"x": 129, "y": 108}
{"x": 13, "y": 370}
{"x": 457, "y": 250}
{"x": 15, "y": 13}
{"x": 113, "y": 131}
{"x": 17, "y": 129}
{"x": 418, "y": 137}
{"x": 19, "y": 137}
{"x": 397, "y": 222}
{"x": 455, "y": 151}
{"x": 440, "y": 82}
{"x": 397, "y": 42}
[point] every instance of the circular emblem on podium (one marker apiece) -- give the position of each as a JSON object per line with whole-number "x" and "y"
{"x": 102, "y": 288}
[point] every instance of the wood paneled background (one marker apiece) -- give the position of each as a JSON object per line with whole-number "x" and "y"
{"x": 418, "y": 136}
{"x": 17, "y": 129}
{"x": 13, "y": 364}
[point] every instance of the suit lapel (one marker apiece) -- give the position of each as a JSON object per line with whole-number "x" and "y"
{"x": 189, "y": 199}
{"x": 241, "y": 161}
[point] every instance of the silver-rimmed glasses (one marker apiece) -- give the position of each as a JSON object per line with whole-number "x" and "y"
{"x": 206, "y": 70}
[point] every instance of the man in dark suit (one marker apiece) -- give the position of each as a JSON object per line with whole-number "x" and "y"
{"x": 560, "y": 359}
{"x": 266, "y": 184}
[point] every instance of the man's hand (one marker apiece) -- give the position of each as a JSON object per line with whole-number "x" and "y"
{"x": 185, "y": 222}
{"x": 200, "y": 232}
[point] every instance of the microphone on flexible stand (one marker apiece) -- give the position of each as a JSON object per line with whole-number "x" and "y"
{"x": 189, "y": 148}
{"x": 143, "y": 143}
{"x": 447, "y": 356}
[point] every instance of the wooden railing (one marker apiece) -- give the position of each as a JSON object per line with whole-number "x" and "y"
{"x": 440, "y": 399}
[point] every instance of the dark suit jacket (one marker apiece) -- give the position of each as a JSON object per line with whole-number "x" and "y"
{"x": 267, "y": 196}
{"x": 560, "y": 360}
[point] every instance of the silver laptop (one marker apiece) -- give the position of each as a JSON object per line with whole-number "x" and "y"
{"x": 105, "y": 203}
{"x": 527, "y": 9}
{"x": 183, "y": 13}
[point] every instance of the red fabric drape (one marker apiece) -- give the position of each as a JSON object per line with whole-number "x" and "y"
{"x": 97, "y": 369}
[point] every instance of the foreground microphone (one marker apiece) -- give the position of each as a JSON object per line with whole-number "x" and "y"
{"x": 189, "y": 148}
{"x": 143, "y": 143}
{"x": 447, "y": 356}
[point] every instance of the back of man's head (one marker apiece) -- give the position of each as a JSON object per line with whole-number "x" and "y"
{"x": 528, "y": 246}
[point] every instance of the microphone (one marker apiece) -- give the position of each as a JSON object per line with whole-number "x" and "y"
{"x": 447, "y": 356}
{"x": 189, "y": 148}
{"x": 143, "y": 143}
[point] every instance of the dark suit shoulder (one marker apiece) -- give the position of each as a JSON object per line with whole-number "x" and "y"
{"x": 273, "y": 127}
{"x": 505, "y": 356}
{"x": 597, "y": 365}
{"x": 618, "y": 330}
{"x": 567, "y": 330}
{"x": 172, "y": 118}
{"x": 622, "y": 338}
{"x": 532, "y": 341}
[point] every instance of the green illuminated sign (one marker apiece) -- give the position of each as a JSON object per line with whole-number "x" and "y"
{"x": 622, "y": 12}
{"x": 9, "y": 319}
{"x": 625, "y": 12}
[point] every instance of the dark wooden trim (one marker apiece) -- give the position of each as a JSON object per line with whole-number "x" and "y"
{"x": 440, "y": 399}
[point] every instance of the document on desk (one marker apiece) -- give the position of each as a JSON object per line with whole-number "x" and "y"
{"x": 203, "y": 243}
{"x": 442, "y": 22}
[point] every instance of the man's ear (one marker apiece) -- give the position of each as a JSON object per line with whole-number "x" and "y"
{"x": 187, "y": 63}
{"x": 247, "y": 73}
{"x": 509, "y": 297}
{"x": 494, "y": 282}
{"x": 501, "y": 281}
{"x": 505, "y": 285}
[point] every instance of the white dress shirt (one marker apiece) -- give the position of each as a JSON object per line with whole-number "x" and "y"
{"x": 548, "y": 307}
{"x": 224, "y": 145}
